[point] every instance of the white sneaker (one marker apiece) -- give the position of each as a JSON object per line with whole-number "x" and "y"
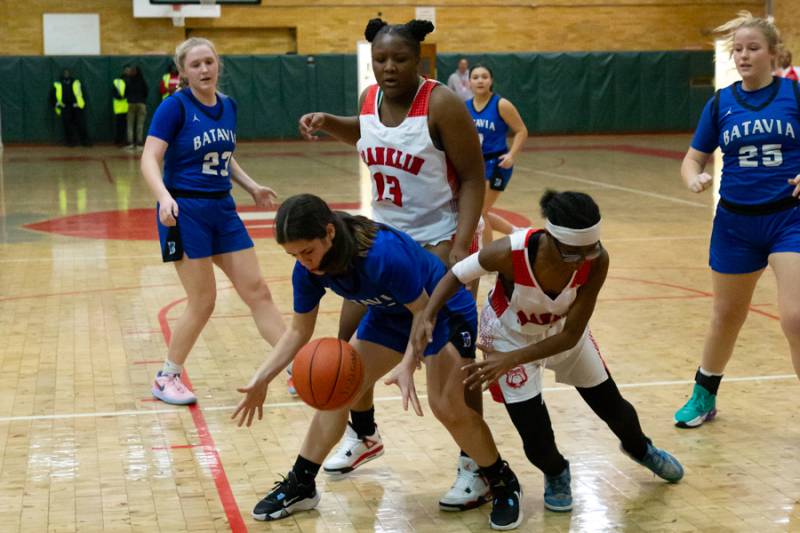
{"x": 353, "y": 452}
{"x": 469, "y": 490}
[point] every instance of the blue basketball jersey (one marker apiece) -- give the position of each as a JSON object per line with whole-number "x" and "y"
{"x": 757, "y": 133}
{"x": 201, "y": 141}
{"x": 492, "y": 129}
{"x": 395, "y": 272}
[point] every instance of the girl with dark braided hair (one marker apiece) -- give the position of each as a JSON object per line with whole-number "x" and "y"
{"x": 424, "y": 157}
{"x": 536, "y": 317}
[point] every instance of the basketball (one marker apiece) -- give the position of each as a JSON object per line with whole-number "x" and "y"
{"x": 327, "y": 373}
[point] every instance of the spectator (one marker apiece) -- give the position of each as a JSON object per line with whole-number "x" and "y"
{"x": 68, "y": 101}
{"x": 459, "y": 80}
{"x": 120, "y": 107}
{"x": 170, "y": 82}
{"x": 136, "y": 94}
{"x": 787, "y": 70}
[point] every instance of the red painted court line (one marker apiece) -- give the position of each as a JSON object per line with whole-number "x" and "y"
{"x": 149, "y": 361}
{"x": 212, "y": 458}
{"x": 176, "y": 447}
{"x": 73, "y": 293}
{"x": 689, "y": 289}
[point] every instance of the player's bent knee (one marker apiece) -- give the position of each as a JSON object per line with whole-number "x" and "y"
{"x": 202, "y": 304}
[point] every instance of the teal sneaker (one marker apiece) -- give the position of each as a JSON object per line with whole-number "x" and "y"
{"x": 558, "y": 492}
{"x": 660, "y": 462}
{"x": 700, "y": 408}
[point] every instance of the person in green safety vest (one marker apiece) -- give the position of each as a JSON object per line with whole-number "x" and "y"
{"x": 68, "y": 102}
{"x": 120, "y": 107}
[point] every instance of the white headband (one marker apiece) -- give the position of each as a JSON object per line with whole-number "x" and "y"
{"x": 572, "y": 236}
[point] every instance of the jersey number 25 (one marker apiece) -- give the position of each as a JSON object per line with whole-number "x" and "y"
{"x": 771, "y": 156}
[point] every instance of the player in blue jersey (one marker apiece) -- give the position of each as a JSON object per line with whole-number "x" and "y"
{"x": 385, "y": 270}
{"x": 193, "y": 135}
{"x": 756, "y": 123}
{"x": 494, "y": 117}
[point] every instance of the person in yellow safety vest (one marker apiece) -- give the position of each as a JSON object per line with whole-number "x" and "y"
{"x": 120, "y": 106}
{"x": 68, "y": 101}
{"x": 170, "y": 82}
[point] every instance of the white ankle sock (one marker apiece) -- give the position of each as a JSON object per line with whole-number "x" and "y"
{"x": 171, "y": 368}
{"x": 709, "y": 374}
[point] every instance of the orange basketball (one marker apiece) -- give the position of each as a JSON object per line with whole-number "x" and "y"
{"x": 327, "y": 373}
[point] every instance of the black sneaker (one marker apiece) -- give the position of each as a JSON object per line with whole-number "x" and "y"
{"x": 506, "y": 495}
{"x": 286, "y": 497}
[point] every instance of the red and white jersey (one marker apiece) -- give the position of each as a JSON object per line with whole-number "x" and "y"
{"x": 529, "y": 310}
{"x": 414, "y": 186}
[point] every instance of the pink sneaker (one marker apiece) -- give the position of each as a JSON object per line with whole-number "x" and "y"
{"x": 170, "y": 389}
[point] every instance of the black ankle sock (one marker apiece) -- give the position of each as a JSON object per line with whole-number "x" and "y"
{"x": 494, "y": 473}
{"x": 637, "y": 449}
{"x": 710, "y": 383}
{"x": 305, "y": 470}
{"x": 363, "y": 422}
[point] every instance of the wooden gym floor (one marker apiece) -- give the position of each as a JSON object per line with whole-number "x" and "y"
{"x": 86, "y": 308}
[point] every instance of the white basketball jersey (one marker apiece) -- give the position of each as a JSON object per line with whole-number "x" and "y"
{"x": 414, "y": 186}
{"x": 530, "y": 310}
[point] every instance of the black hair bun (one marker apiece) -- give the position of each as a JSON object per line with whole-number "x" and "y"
{"x": 419, "y": 28}
{"x": 373, "y": 27}
{"x": 548, "y": 196}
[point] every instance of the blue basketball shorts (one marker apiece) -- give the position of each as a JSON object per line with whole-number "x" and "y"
{"x": 741, "y": 244}
{"x": 497, "y": 176}
{"x": 392, "y": 330}
{"x": 207, "y": 227}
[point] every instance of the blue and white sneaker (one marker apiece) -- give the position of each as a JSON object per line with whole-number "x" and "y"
{"x": 661, "y": 463}
{"x": 701, "y": 407}
{"x": 285, "y": 498}
{"x": 558, "y": 491}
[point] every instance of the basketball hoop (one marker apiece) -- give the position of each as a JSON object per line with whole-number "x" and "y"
{"x": 177, "y": 16}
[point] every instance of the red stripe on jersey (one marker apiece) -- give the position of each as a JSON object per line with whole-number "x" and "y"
{"x": 582, "y": 275}
{"x": 522, "y": 274}
{"x": 419, "y": 107}
{"x": 369, "y": 100}
{"x": 498, "y": 299}
{"x": 597, "y": 347}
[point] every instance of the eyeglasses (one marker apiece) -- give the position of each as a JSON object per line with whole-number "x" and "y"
{"x": 575, "y": 256}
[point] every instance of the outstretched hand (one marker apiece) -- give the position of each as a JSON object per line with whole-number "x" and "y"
{"x": 403, "y": 377}
{"x": 255, "y": 394}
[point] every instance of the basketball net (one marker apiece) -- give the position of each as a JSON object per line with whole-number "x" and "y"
{"x": 177, "y": 16}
